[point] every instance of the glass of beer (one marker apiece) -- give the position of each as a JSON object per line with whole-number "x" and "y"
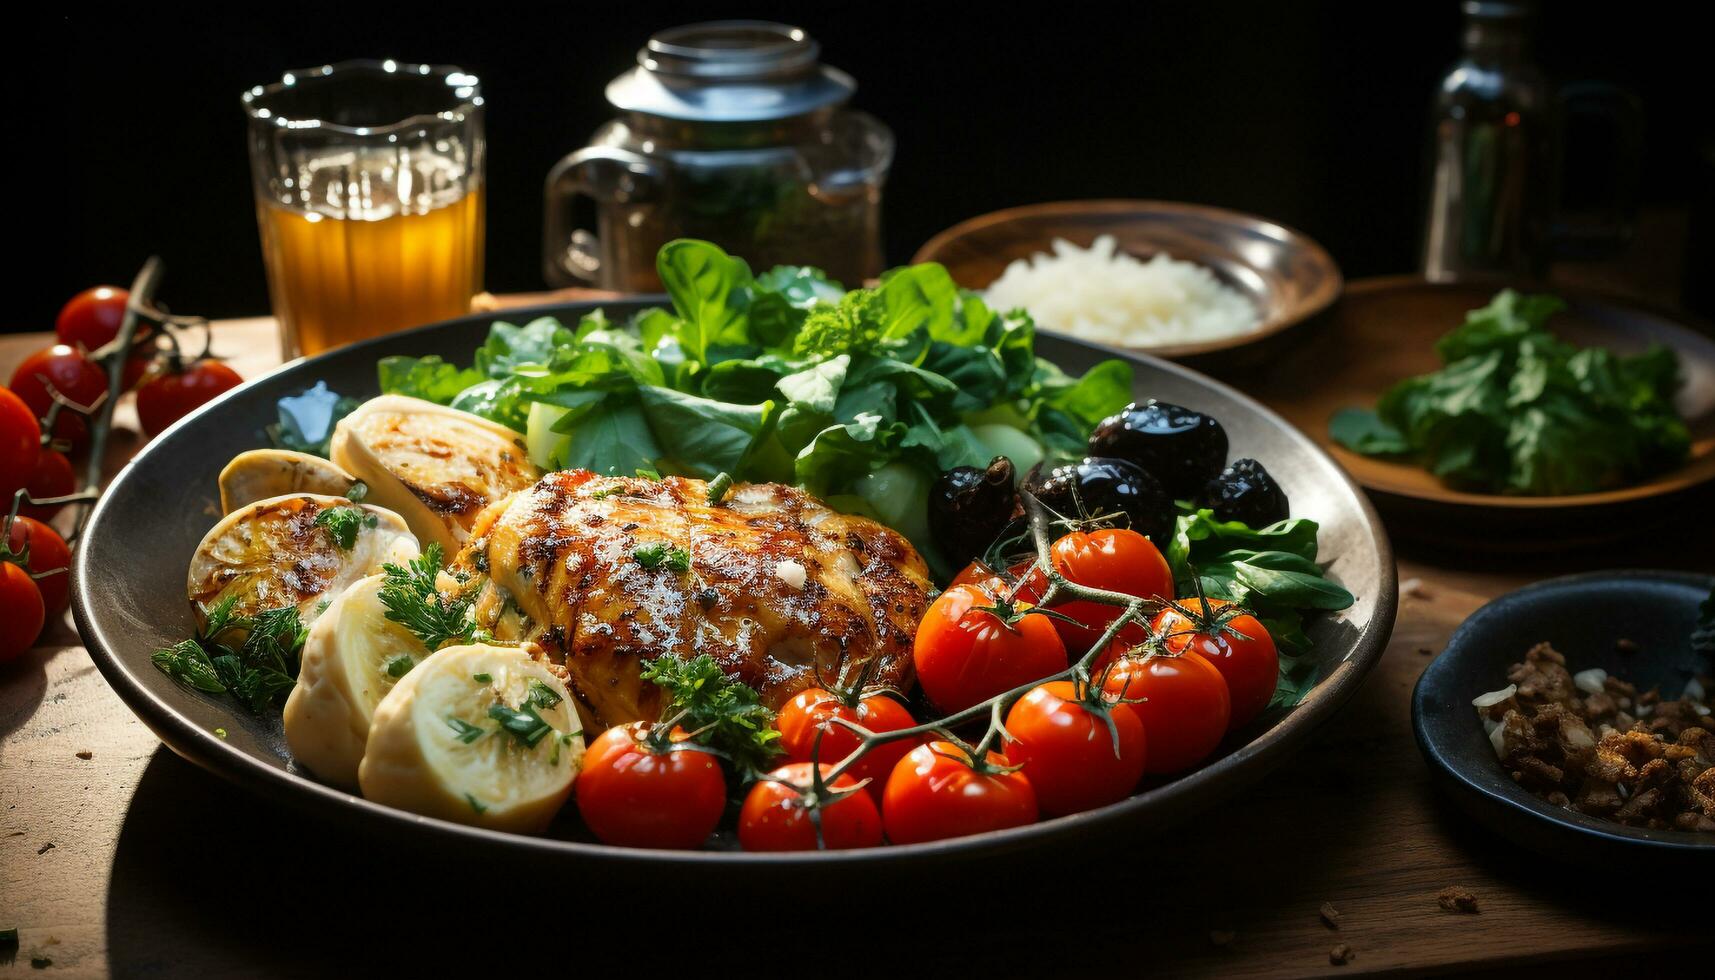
{"x": 369, "y": 196}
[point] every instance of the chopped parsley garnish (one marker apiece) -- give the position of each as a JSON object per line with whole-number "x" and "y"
{"x": 252, "y": 658}
{"x": 482, "y": 678}
{"x": 726, "y": 713}
{"x": 542, "y": 696}
{"x": 476, "y": 804}
{"x": 522, "y": 723}
{"x": 466, "y": 732}
{"x": 343, "y": 523}
{"x": 414, "y": 602}
{"x": 653, "y": 556}
{"x": 400, "y": 666}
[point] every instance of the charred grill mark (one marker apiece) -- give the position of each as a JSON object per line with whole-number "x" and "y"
{"x": 448, "y": 499}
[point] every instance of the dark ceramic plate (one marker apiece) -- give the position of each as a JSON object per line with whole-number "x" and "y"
{"x": 130, "y": 600}
{"x": 1583, "y": 616}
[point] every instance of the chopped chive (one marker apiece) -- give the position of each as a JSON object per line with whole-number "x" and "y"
{"x": 357, "y": 491}
{"x": 718, "y": 488}
{"x": 465, "y": 731}
{"x": 400, "y": 666}
{"x": 221, "y": 732}
{"x": 475, "y": 804}
{"x": 482, "y": 678}
{"x": 543, "y": 696}
{"x": 522, "y": 723}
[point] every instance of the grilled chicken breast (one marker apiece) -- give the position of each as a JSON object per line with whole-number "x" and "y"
{"x": 603, "y": 572}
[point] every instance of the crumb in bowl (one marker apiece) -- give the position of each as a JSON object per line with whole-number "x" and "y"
{"x": 1593, "y": 743}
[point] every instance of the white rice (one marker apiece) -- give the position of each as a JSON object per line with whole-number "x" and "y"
{"x": 1110, "y": 297}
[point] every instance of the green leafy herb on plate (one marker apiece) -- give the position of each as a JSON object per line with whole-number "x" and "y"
{"x": 1515, "y": 410}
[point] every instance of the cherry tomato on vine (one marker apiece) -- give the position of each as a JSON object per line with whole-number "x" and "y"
{"x": 966, "y": 652}
{"x": 52, "y": 477}
{"x": 74, "y": 376}
{"x": 21, "y": 611}
{"x": 976, "y": 573}
{"x": 167, "y": 395}
{"x": 813, "y": 710}
{"x": 1184, "y": 708}
{"x": 638, "y": 790}
{"x": 936, "y": 792}
{"x": 1116, "y": 559}
{"x": 1073, "y": 760}
{"x": 91, "y": 319}
{"x": 20, "y": 444}
{"x": 1239, "y": 647}
{"x": 44, "y": 551}
{"x": 775, "y": 816}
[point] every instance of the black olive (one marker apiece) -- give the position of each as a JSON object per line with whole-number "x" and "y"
{"x": 1181, "y": 448}
{"x": 968, "y": 507}
{"x": 1245, "y": 492}
{"x": 1100, "y": 486}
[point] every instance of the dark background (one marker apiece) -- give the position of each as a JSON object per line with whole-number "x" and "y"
{"x": 1313, "y": 114}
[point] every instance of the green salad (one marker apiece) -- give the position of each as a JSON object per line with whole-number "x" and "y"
{"x": 861, "y": 396}
{"x": 1516, "y": 410}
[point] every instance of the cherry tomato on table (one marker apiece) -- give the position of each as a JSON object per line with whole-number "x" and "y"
{"x": 20, "y": 444}
{"x": 41, "y": 549}
{"x": 638, "y": 789}
{"x": 937, "y": 791}
{"x": 966, "y": 653}
{"x": 21, "y": 612}
{"x": 1184, "y": 706}
{"x": 776, "y": 816}
{"x": 1073, "y": 760}
{"x": 91, "y": 319}
{"x": 52, "y": 477}
{"x": 167, "y": 395}
{"x": 1239, "y": 647}
{"x": 813, "y": 710}
{"x": 1116, "y": 559}
{"x": 75, "y": 377}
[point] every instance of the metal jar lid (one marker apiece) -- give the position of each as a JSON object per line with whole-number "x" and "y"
{"x": 730, "y": 71}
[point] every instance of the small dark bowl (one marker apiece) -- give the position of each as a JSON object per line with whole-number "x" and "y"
{"x": 1584, "y": 617}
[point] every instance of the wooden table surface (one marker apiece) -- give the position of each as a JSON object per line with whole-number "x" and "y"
{"x": 134, "y": 862}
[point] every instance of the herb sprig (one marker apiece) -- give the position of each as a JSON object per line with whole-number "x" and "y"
{"x": 253, "y": 658}
{"x": 414, "y": 601}
{"x": 725, "y": 713}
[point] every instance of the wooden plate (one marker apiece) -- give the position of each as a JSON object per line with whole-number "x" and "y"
{"x": 1384, "y": 329}
{"x": 128, "y": 599}
{"x": 1287, "y": 276}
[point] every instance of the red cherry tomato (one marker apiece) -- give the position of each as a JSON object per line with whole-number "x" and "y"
{"x": 91, "y": 319}
{"x": 976, "y": 573}
{"x": 635, "y": 791}
{"x": 775, "y": 817}
{"x": 1184, "y": 706}
{"x": 935, "y": 793}
{"x": 813, "y": 710}
{"x": 74, "y": 376}
{"x": 1116, "y": 559}
{"x": 21, "y": 612}
{"x": 20, "y": 444}
{"x": 47, "y": 552}
{"x": 965, "y": 653}
{"x": 52, "y": 477}
{"x": 1073, "y": 760}
{"x": 167, "y": 396}
{"x": 1240, "y": 648}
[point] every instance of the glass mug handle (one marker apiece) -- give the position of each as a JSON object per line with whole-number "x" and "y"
{"x": 1594, "y": 228}
{"x": 572, "y": 256}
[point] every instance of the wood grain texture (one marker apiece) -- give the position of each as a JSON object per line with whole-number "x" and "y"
{"x": 159, "y": 868}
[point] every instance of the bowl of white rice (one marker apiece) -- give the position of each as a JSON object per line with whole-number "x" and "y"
{"x": 1175, "y": 280}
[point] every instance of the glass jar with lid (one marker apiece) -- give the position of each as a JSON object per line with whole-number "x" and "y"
{"x": 733, "y": 132}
